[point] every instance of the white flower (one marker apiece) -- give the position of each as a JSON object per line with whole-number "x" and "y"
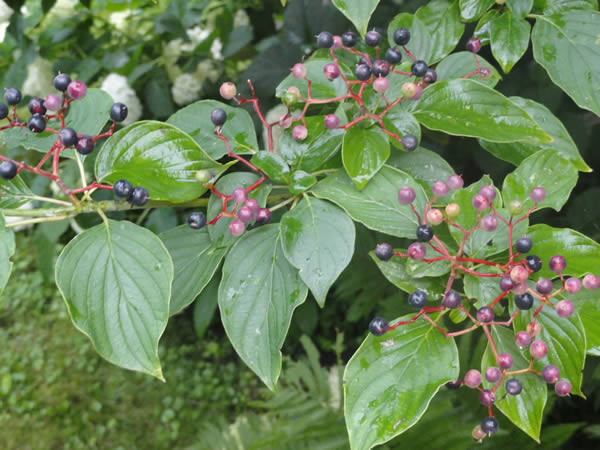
{"x": 241, "y": 19}
{"x": 120, "y": 19}
{"x": 38, "y": 82}
{"x": 5, "y": 12}
{"x": 186, "y": 89}
{"x": 216, "y": 48}
{"x": 207, "y": 69}
{"x": 198, "y": 34}
{"x": 118, "y": 87}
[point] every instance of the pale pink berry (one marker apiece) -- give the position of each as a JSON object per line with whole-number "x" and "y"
{"x": 522, "y": 339}
{"x": 237, "y": 227}
{"x": 573, "y": 285}
{"x": 562, "y": 388}
{"x": 77, "y": 89}
{"x": 416, "y": 251}
{"x": 285, "y": 121}
{"x": 520, "y": 288}
{"x": 489, "y": 223}
{"x": 452, "y": 209}
{"x": 331, "y": 121}
{"x": 245, "y": 214}
{"x": 299, "y": 132}
{"x": 435, "y": 216}
{"x": 538, "y": 194}
{"x": 406, "y": 195}
{"x": 538, "y": 349}
{"x": 550, "y": 374}
{"x": 252, "y": 204}
{"x": 299, "y": 71}
{"x": 381, "y": 85}
{"x": 565, "y": 308}
{"x": 472, "y": 378}
{"x": 455, "y": 182}
{"x": 418, "y": 93}
{"x": 331, "y": 71}
{"x": 591, "y": 281}
{"x": 294, "y": 91}
{"x": 52, "y": 102}
{"x": 519, "y": 274}
{"x": 228, "y": 90}
{"x": 239, "y": 195}
{"x": 337, "y": 42}
{"x": 557, "y": 263}
{"x": 440, "y": 188}
{"x": 534, "y": 328}
{"x": 480, "y": 202}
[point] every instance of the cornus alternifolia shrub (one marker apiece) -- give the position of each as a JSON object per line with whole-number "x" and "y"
{"x": 266, "y": 223}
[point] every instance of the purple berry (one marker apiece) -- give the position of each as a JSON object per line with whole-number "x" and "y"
{"x": 331, "y": 121}
{"x": 36, "y": 106}
{"x": 505, "y": 361}
{"x": 573, "y": 285}
{"x": 489, "y": 425}
{"x": 349, "y": 39}
{"x": 480, "y": 202}
{"x": 263, "y": 216}
{"x": 550, "y": 374}
{"x": 522, "y": 339}
{"x": 237, "y": 227}
{"x": 544, "y": 286}
{"x": 591, "y": 281}
{"x": 489, "y": 223}
{"x": 538, "y": 194}
{"x": 85, "y": 144}
{"x": 331, "y": 71}
{"x": 519, "y": 274}
{"x": 419, "y": 68}
{"x": 406, "y": 195}
{"x": 245, "y": 214}
{"x": 409, "y": 142}
{"x": 12, "y": 96}
{"x": 416, "y": 251}
{"x": 218, "y": 117}
{"x": 239, "y": 195}
{"x": 453, "y": 384}
{"x": 440, "y": 188}
{"x": 393, "y": 55}
{"x": 562, "y": 388}
{"x": 380, "y": 68}
{"x": 381, "y": 85}
{"x": 401, "y": 36}
{"x": 523, "y": 244}
{"x": 472, "y": 378}
{"x": 8, "y": 170}
{"x": 418, "y": 299}
{"x": 418, "y": 93}
{"x": 77, "y": 89}
{"x": 53, "y": 102}
{"x": 488, "y": 191}
{"x": 384, "y": 251}
{"x": 430, "y": 76}
{"x": 196, "y": 220}
{"x": 252, "y": 204}
{"x": 372, "y": 38}
{"x": 538, "y": 349}
{"x": 424, "y": 233}
{"x": 118, "y": 112}
{"x": 451, "y": 299}
{"x": 362, "y": 72}
{"x": 68, "y": 136}
{"x": 299, "y": 132}
{"x": 485, "y": 314}
{"x": 298, "y": 71}
{"x": 557, "y": 263}
{"x": 3, "y": 111}
{"x": 378, "y": 326}
{"x": 534, "y": 263}
{"x": 473, "y": 45}
{"x": 493, "y": 374}
{"x": 513, "y": 386}
{"x": 36, "y": 123}
{"x": 487, "y": 397}
{"x": 506, "y": 283}
{"x": 62, "y": 81}
{"x": 455, "y": 182}
{"x": 565, "y": 308}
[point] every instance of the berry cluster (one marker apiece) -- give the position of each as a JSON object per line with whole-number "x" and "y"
{"x": 513, "y": 278}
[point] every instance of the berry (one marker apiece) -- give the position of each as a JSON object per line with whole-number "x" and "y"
{"x": 36, "y": 106}
{"x": 452, "y": 209}
{"x": 451, "y": 299}
{"x": 480, "y": 202}
{"x": 573, "y": 285}
{"x": 372, "y": 38}
{"x": 565, "y": 308}
{"x": 203, "y": 176}
{"x": 299, "y": 132}
{"x": 285, "y": 121}
{"x": 489, "y": 425}
{"x": 489, "y": 222}
{"x": 416, "y": 251}
{"x": 419, "y": 68}
{"x": 378, "y": 326}
{"x": 505, "y": 361}
{"x": 337, "y": 42}
{"x": 485, "y": 73}
{"x": 591, "y": 281}
{"x": 562, "y": 388}
{"x": 291, "y": 97}
{"x": 557, "y": 263}
{"x": 544, "y": 286}
{"x": 519, "y": 274}
{"x": 485, "y": 314}
{"x": 534, "y": 263}
{"x": 331, "y": 121}
{"x": 331, "y": 71}
{"x": 77, "y": 90}
{"x": 245, "y": 214}
{"x": 325, "y": 39}
{"x": 513, "y": 386}
{"x": 440, "y": 189}
{"x": 393, "y": 55}
{"x": 118, "y": 112}
{"x": 52, "y": 102}
{"x": 506, "y": 283}
{"x": 252, "y": 204}
{"x": 430, "y": 76}
{"x": 493, "y": 374}
{"x": 472, "y": 378}
{"x": 478, "y": 434}
{"x": 418, "y": 299}
{"x": 520, "y": 288}
{"x": 3, "y": 111}
{"x": 538, "y": 349}
{"x": 362, "y": 72}
{"x": 8, "y": 170}
{"x": 453, "y": 384}
{"x": 418, "y": 93}
{"x": 409, "y": 142}
{"x": 196, "y": 220}
{"x": 406, "y": 195}
{"x": 455, "y": 182}
{"x": 239, "y": 195}
{"x": 522, "y": 339}
{"x": 381, "y": 85}
{"x": 409, "y": 89}
{"x": 299, "y": 71}
{"x": 68, "y": 136}
{"x": 489, "y": 191}
{"x": 473, "y": 45}
{"x": 487, "y": 397}
{"x": 515, "y": 207}
{"x": 139, "y": 196}
{"x": 349, "y": 39}
{"x": 550, "y": 374}
{"x": 384, "y": 251}
{"x": 37, "y": 123}
{"x": 85, "y": 145}
{"x": 122, "y": 189}
{"x": 237, "y": 227}
{"x": 401, "y": 36}
{"x": 380, "y": 68}
{"x": 12, "y": 96}
{"x": 435, "y": 216}
{"x": 424, "y": 233}
{"x": 218, "y": 116}
{"x": 368, "y": 60}
{"x": 538, "y": 194}
{"x": 523, "y": 245}
{"x": 62, "y": 81}
{"x": 228, "y": 90}
{"x": 524, "y": 301}
{"x": 263, "y": 216}
{"x": 534, "y": 328}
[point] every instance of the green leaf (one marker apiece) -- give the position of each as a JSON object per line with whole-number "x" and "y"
{"x": 205, "y": 306}
{"x": 471, "y": 10}
{"x": 195, "y": 261}
{"x": 321, "y": 87}
{"x": 7, "y": 250}
{"x": 554, "y": 6}
{"x": 566, "y": 45}
{"x": 516, "y": 152}
{"x": 519, "y": 7}
{"x": 547, "y": 169}
{"x": 460, "y": 64}
{"x": 483, "y": 289}
{"x": 195, "y": 120}
{"x": 421, "y": 269}
{"x": 420, "y": 44}
{"x": 587, "y": 306}
{"x": 317, "y": 239}
{"x": 14, "y": 193}
{"x": 482, "y": 30}
{"x": 401, "y": 123}
{"x": 442, "y": 20}
{"x": 526, "y": 409}
{"x": 116, "y": 281}
{"x": 273, "y": 165}
{"x": 301, "y": 181}
{"x": 465, "y": 107}
{"x": 257, "y": 296}
{"x": 159, "y": 157}
{"x": 390, "y": 380}
{"x": 364, "y": 152}
{"x": 509, "y": 36}
{"x": 357, "y": 11}
{"x": 376, "y": 206}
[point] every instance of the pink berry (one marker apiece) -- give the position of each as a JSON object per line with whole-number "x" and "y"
{"x": 77, "y": 89}
{"x": 522, "y": 339}
{"x": 544, "y": 286}
{"x": 493, "y": 374}
{"x": 505, "y": 361}
{"x": 538, "y": 194}
{"x": 565, "y": 308}
{"x": 331, "y": 71}
{"x": 538, "y": 349}
{"x": 485, "y": 73}
{"x": 480, "y": 202}
{"x": 452, "y": 209}
{"x": 237, "y": 227}
{"x": 53, "y": 102}
{"x": 381, "y": 85}
{"x": 252, "y": 204}
{"x": 550, "y": 374}
{"x": 455, "y": 182}
{"x": 337, "y": 42}
{"x": 239, "y": 195}
{"x": 520, "y": 288}
{"x": 406, "y": 195}
{"x": 331, "y": 121}
{"x": 562, "y": 388}
{"x": 245, "y": 214}
{"x": 416, "y": 250}
{"x": 472, "y": 378}
{"x": 489, "y": 222}
{"x": 534, "y": 328}
{"x": 440, "y": 188}
{"x": 294, "y": 91}
{"x": 418, "y": 93}
{"x": 299, "y": 132}
{"x": 435, "y": 216}
{"x": 299, "y": 71}
{"x": 519, "y": 274}
{"x": 488, "y": 191}
{"x": 228, "y": 90}
{"x": 285, "y": 121}
{"x": 573, "y": 285}
{"x": 591, "y": 281}
{"x": 478, "y": 434}
{"x": 487, "y": 397}
{"x": 557, "y": 263}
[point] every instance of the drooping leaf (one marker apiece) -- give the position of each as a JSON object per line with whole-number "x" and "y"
{"x": 442, "y": 20}
{"x": 7, "y": 250}
{"x": 509, "y": 35}
{"x": 420, "y": 44}
{"x": 364, "y": 152}
{"x": 471, "y": 10}
{"x": 461, "y": 64}
{"x": 357, "y": 11}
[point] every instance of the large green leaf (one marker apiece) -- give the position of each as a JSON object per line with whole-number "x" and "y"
{"x": 7, "y": 250}
{"x": 420, "y": 44}
{"x": 116, "y": 281}
{"x": 442, "y": 20}
{"x": 460, "y": 64}
{"x": 390, "y": 380}
{"x": 258, "y": 294}
{"x": 318, "y": 239}
{"x": 159, "y": 157}
{"x": 471, "y": 10}
{"x": 516, "y": 152}
{"x": 195, "y": 120}
{"x": 509, "y": 36}
{"x": 566, "y": 45}
{"x": 364, "y": 152}
{"x": 205, "y": 306}
{"x": 195, "y": 260}
{"x": 321, "y": 87}
{"x": 547, "y": 169}
{"x": 401, "y": 123}
{"x": 554, "y": 6}
{"x": 587, "y": 306}
{"x": 526, "y": 409}
{"x": 519, "y": 7}
{"x": 465, "y": 107}
{"x": 14, "y": 193}
{"x": 357, "y": 11}
{"x": 376, "y": 206}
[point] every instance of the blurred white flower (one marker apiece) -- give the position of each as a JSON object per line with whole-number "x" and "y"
{"x": 38, "y": 82}
{"x": 186, "y": 89}
{"x": 196, "y": 35}
{"x": 5, "y": 13}
{"x": 241, "y": 18}
{"x": 207, "y": 69}
{"x": 120, "y": 19}
{"x": 216, "y": 48}
{"x": 118, "y": 87}
{"x": 63, "y": 8}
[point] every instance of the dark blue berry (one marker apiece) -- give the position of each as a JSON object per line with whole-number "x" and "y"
{"x": 523, "y": 245}
{"x": 534, "y": 263}
{"x": 524, "y": 301}
{"x": 37, "y": 123}
{"x": 384, "y": 251}
{"x": 122, "y": 189}
{"x": 424, "y": 233}
{"x": 430, "y": 76}
{"x": 368, "y": 61}
{"x": 218, "y": 116}
{"x": 349, "y": 39}
{"x": 401, "y": 36}
{"x": 513, "y": 386}
{"x": 12, "y": 96}
{"x": 378, "y": 326}
{"x": 325, "y": 40}
{"x": 362, "y": 72}
{"x": 139, "y": 196}
{"x": 8, "y": 170}
{"x": 451, "y": 299}
{"x": 36, "y": 106}
{"x": 454, "y": 384}
{"x": 489, "y": 425}
{"x": 418, "y": 299}
{"x": 393, "y": 55}
{"x": 196, "y": 220}
{"x": 419, "y": 68}
{"x": 62, "y": 81}
{"x": 85, "y": 145}
{"x": 3, "y": 111}
{"x": 118, "y": 112}
{"x": 380, "y": 68}
{"x": 68, "y": 136}
{"x": 372, "y": 38}
{"x": 409, "y": 142}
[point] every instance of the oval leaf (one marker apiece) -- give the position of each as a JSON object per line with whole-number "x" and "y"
{"x": 401, "y": 123}
{"x": 509, "y": 36}
{"x": 442, "y": 20}
{"x": 357, "y": 11}
{"x": 364, "y": 152}
{"x": 471, "y": 10}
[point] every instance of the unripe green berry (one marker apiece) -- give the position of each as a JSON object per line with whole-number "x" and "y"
{"x": 515, "y": 207}
{"x": 409, "y": 89}
{"x": 203, "y": 176}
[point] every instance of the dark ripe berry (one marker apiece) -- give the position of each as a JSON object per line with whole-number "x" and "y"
{"x": 85, "y": 145}
{"x": 368, "y": 61}
{"x": 524, "y": 301}
{"x": 62, "y": 81}
{"x": 409, "y": 142}
{"x": 489, "y": 425}
{"x": 401, "y": 36}
{"x": 263, "y": 216}
{"x": 419, "y": 68}
{"x": 362, "y": 72}
{"x": 472, "y": 378}
{"x": 451, "y": 299}
{"x": 37, "y": 123}
{"x": 562, "y": 388}
{"x": 218, "y": 116}
{"x": 557, "y": 263}
{"x": 506, "y": 283}
{"x": 349, "y": 39}
{"x": 487, "y": 397}
{"x": 513, "y": 386}
{"x": 118, "y": 112}
{"x": 8, "y": 170}
{"x": 122, "y": 189}
{"x": 68, "y": 136}
{"x": 493, "y": 374}
{"x": 378, "y": 326}
{"x": 418, "y": 299}
{"x": 534, "y": 263}
{"x": 430, "y": 76}
{"x": 196, "y": 220}
{"x": 453, "y": 384}
{"x": 550, "y": 374}
{"x": 325, "y": 39}
{"x": 544, "y": 286}
{"x": 3, "y": 111}
{"x": 485, "y": 314}
{"x": 139, "y": 196}
{"x": 36, "y": 106}
{"x": 473, "y": 45}
{"x": 424, "y": 233}
{"x": 523, "y": 245}
{"x": 384, "y": 251}
{"x": 372, "y": 38}
{"x": 505, "y": 361}
{"x": 12, "y": 96}
{"x": 380, "y": 68}
{"x": 393, "y": 55}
